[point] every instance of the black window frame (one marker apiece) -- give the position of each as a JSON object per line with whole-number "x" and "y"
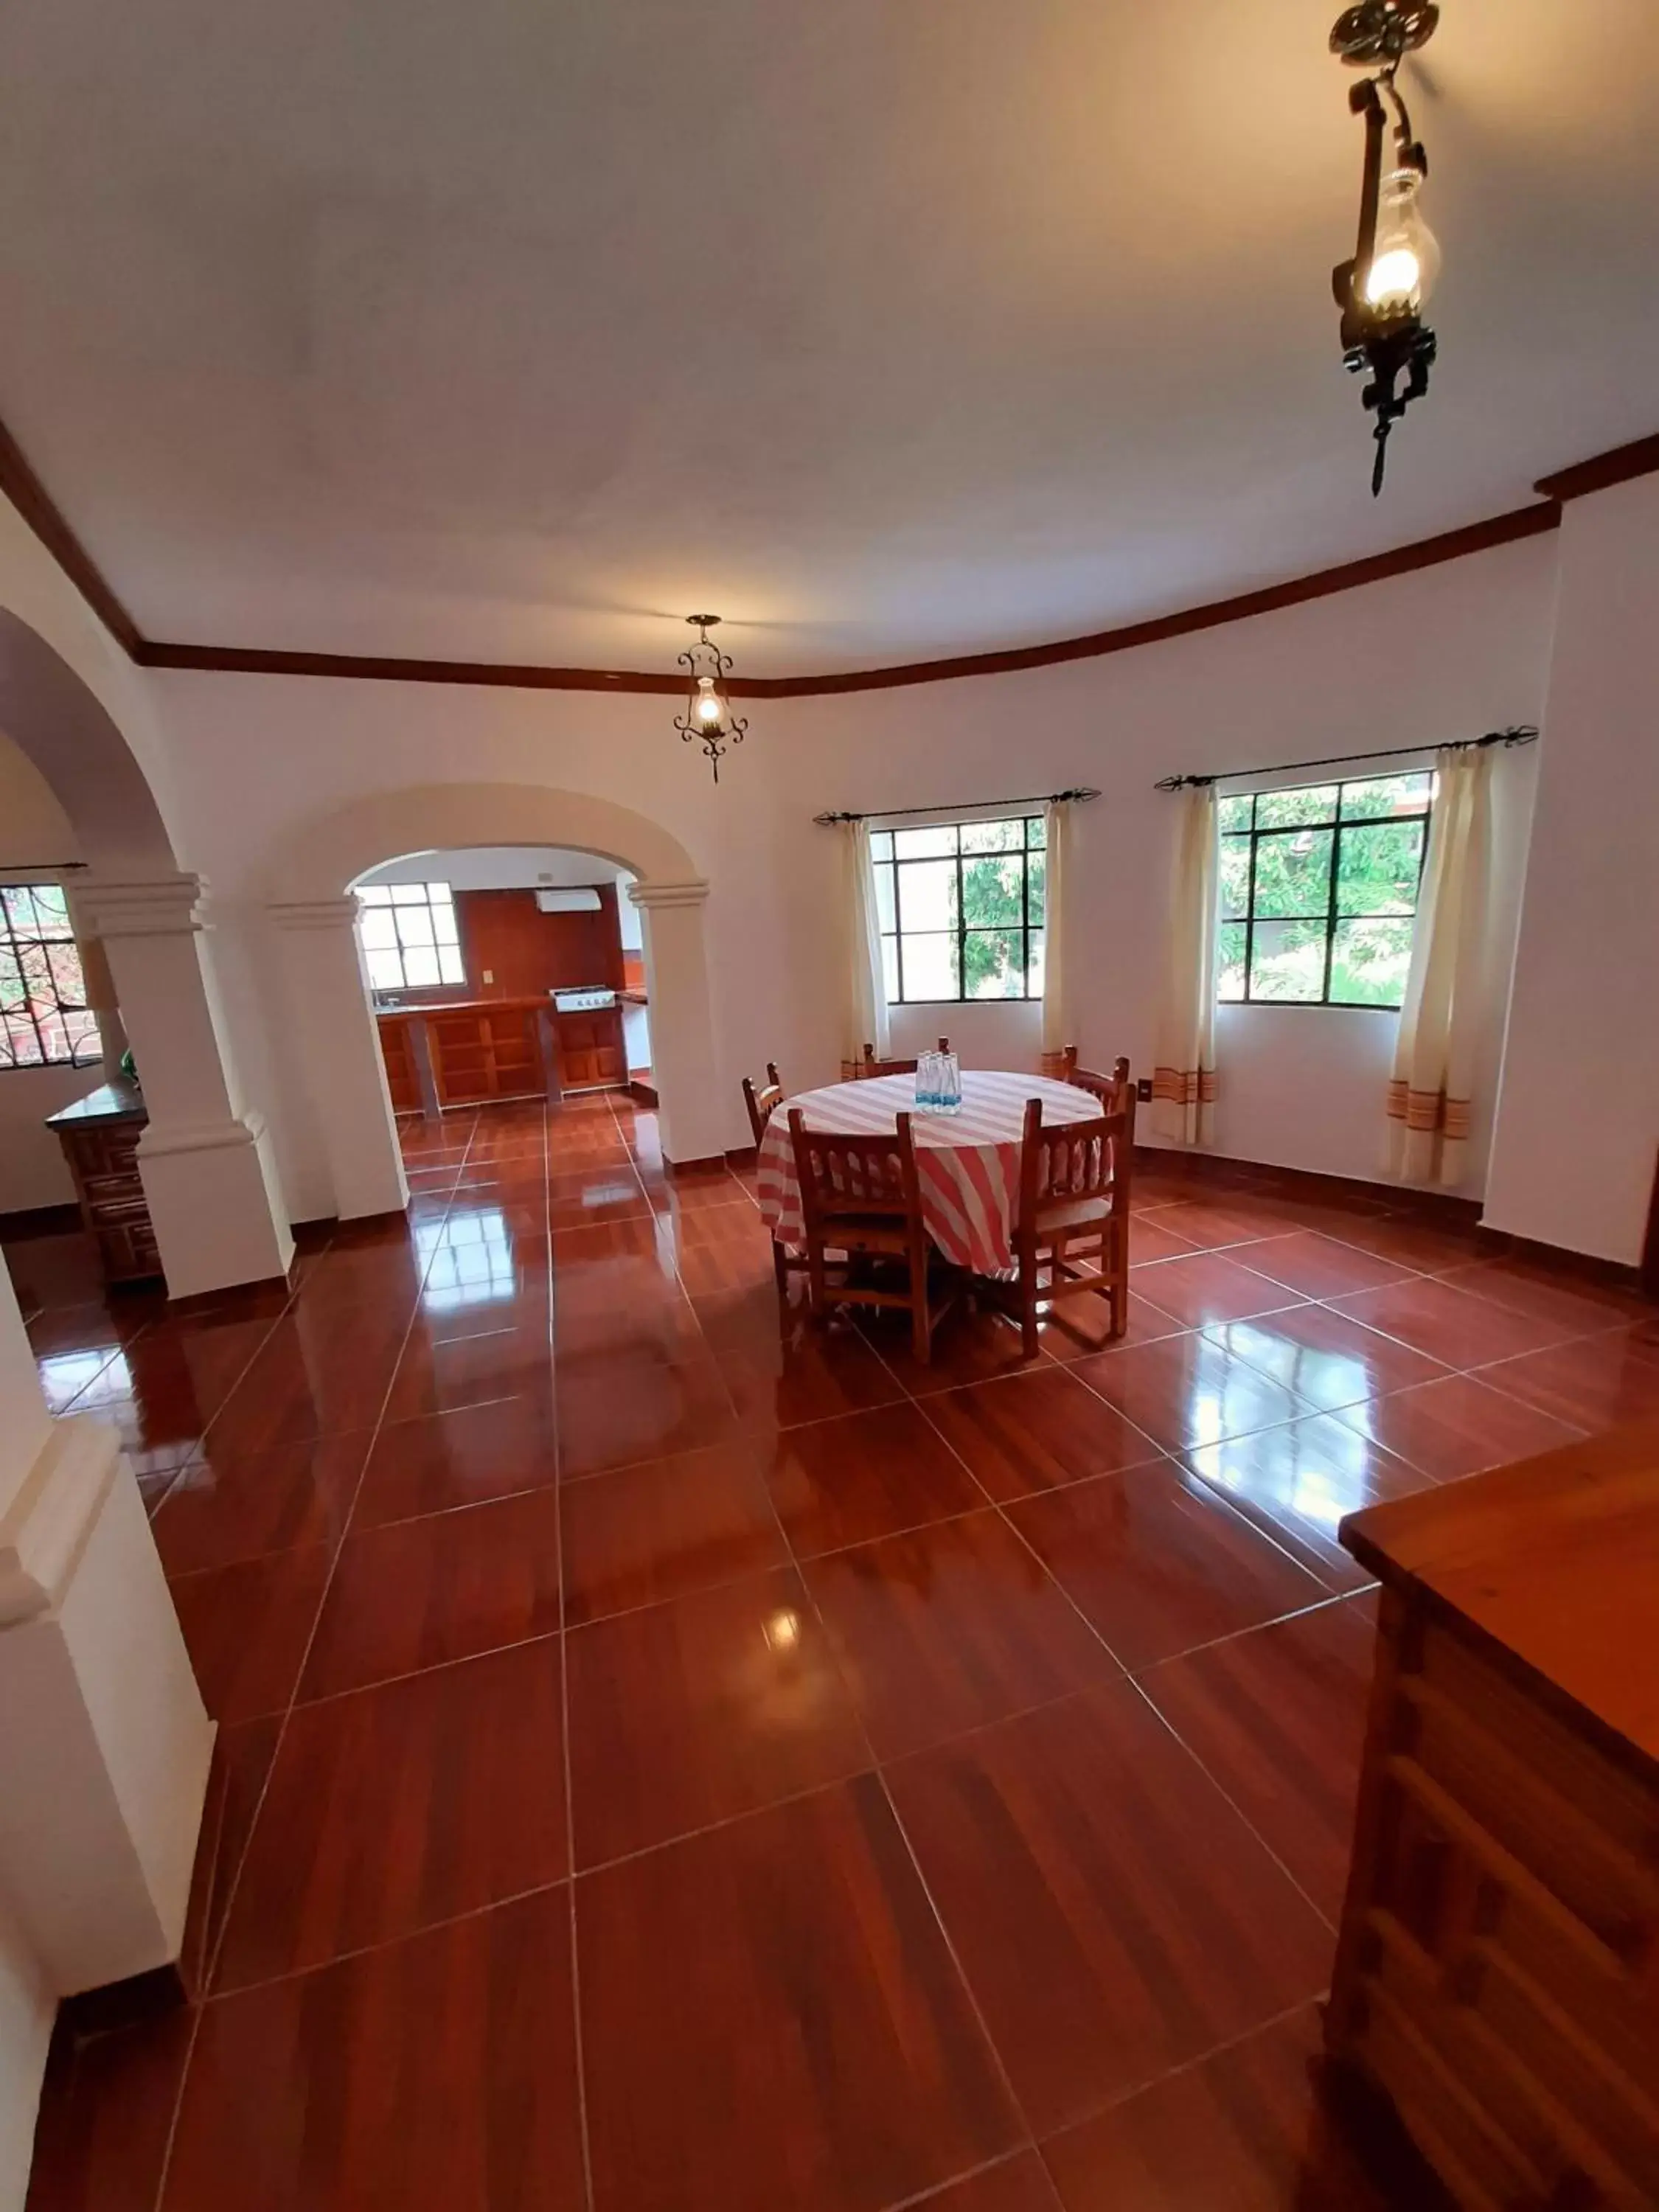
{"x": 1331, "y": 916}
{"x": 14, "y": 941}
{"x": 1024, "y": 927}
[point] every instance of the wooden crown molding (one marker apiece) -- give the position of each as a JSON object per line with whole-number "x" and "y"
{"x": 40, "y": 511}
{"x": 525, "y": 676}
{"x": 20, "y": 483}
{"x": 1639, "y": 459}
{"x": 1425, "y": 553}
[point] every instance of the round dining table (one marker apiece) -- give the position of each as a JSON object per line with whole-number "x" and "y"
{"x": 967, "y": 1163}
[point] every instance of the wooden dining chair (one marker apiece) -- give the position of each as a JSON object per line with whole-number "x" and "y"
{"x": 1073, "y": 1209}
{"x": 764, "y": 1102}
{"x": 1106, "y": 1088}
{"x": 870, "y": 1065}
{"x": 861, "y": 1196}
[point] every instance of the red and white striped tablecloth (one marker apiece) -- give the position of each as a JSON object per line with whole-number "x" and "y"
{"x": 968, "y": 1162}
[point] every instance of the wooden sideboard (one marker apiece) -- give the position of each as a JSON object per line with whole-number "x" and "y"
{"x": 461, "y": 1052}
{"x": 1497, "y": 1974}
{"x": 99, "y": 1136}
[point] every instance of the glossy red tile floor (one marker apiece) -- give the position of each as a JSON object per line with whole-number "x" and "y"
{"x": 672, "y": 1758}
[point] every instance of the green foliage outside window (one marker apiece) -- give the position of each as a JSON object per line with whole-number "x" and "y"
{"x": 1319, "y": 891}
{"x": 962, "y": 908}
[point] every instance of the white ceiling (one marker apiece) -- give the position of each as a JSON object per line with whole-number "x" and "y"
{"x": 509, "y": 330}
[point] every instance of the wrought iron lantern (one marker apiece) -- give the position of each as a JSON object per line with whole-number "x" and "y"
{"x": 708, "y": 717}
{"x": 1381, "y": 291}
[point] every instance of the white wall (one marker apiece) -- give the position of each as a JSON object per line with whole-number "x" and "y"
{"x": 1446, "y": 653}
{"x": 1578, "y": 1125}
{"x": 26, "y": 2010}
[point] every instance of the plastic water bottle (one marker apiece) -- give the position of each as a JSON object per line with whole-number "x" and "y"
{"x": 950, "y": 1082}
{"x": 927, "y": 1082}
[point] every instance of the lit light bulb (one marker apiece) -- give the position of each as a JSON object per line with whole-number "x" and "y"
{"x": 709, "y": 708}
{"x": 1406, "y": 257}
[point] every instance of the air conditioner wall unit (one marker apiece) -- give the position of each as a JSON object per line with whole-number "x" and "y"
{"x": 579, "y": 898}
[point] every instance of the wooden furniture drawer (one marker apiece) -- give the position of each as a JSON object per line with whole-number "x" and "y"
{"x": 1544, "y": 2143}
{"x": 99, "y": 1136}
{"x": 1588, "y": 1834}
{"x": 1497, "y": 1971}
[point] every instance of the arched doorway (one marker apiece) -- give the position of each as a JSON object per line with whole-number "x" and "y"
{"x": 351, "y": 1135}
{"x": 204, "y": 1162}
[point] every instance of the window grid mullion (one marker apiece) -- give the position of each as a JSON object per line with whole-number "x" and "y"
{"x": 1338, "y": 825}
{"x": 962, "y": 924}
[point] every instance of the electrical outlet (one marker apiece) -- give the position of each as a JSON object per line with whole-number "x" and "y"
{"x": 1144, "y": 1088}
{"x": 489, "y": 977}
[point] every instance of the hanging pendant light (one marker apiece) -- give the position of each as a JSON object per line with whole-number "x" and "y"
{"x": 708, "y": 717}
{"x": 1382, "y": 289}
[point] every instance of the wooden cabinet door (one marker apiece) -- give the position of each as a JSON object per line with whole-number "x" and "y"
{"x": 590, "y": 1049}
{"x": 398, "y": 1050}
{"x": 486, "y": 1052}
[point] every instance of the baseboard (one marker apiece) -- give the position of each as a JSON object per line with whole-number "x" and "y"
{"x": 1615, "y": 1274}
{"x": 1216, "y": 1171}
{"x": 742, "y": 1156}
{"x": 1218, "y": 1168}
{"x": 710, "y": 1164}
{"x": 28, "y": 1221}
{"x": 123, "y": 2004}
{"x": 268, "y": 1293}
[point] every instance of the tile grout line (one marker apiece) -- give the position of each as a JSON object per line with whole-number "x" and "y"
{"x": 1610, "y": 1326}
{"x": 1125, "y": 1675}
{"x": 233, "y": 1887}
{"x": 211, "y": 1949}
{"x": 579, "y": 2046}
{"x": 1029, "y": 2137}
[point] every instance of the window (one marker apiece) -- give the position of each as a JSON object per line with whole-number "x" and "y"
{"x": 44, "y": 1021}
{"x": 409, "y": 936}
{"x": 962, "y": 909}
{"x": 1319, "y": 891}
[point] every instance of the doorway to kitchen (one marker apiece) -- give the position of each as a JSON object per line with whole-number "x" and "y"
{"x": 503, "y": 972}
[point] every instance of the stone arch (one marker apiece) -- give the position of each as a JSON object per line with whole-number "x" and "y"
{"x": 59, "y": 724}
{"x": 320, "y": 857}
{"x": 307, "y": 878}
{"x": 208, "y": 1175}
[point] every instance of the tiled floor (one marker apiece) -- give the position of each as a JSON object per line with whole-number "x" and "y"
{"x": 673, "y": 1758}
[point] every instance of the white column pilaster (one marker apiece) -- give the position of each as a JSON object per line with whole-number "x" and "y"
{"x": 208, "y": 1169}
{"x": 682, "y": 1029}
{"x": 333, "y": 1028}
{"x": 104, "y": 1741}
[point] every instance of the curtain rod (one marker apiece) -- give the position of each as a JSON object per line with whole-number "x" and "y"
{"x": 1523, "y": 733}
{"x": 36, "y": 868}
{"x": 959, "y": 807}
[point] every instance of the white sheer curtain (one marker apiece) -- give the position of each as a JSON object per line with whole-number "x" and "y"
{"x": 1429, "y": 1093}
{"x": 866, "y": 1019}
{"x": 1056, "y": 1003}
{"x": 1184, "y": 1079}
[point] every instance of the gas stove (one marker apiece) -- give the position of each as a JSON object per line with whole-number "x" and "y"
{"x": 591, "y": 999}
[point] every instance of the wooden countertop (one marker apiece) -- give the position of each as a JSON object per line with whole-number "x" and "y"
{"x": 119, "y": 1101}
{"x": 464, "y": 1005}
{"x": 1555, "y": 1563}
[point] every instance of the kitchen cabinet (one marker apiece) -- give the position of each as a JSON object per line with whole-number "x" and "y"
{"x": 466, "y": 1054}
